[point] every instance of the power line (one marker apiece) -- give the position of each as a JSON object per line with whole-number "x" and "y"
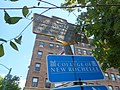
{"x": 59, "y": 7}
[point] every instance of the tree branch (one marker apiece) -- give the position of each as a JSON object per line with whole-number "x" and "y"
{"x": 108, "y": 5}
{"x": 60, "y": 7}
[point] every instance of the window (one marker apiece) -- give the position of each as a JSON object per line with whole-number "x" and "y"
{"x": 35, "y": 81}
{"x": 110, "y": 88}
{"x": 40, "y": 53}
{"x": 41, "y": 44}
{"x": 113, "y": 77}
{"x": 79, "y": 51}
{"x": 51, "y": 45}
{"x": 83, "y": 44}
{"x": 63, "y": 48}
{"x": 118, "y": 76}
{"x": 106, "y": 76}
{"x": 51, "y": 38}
{"x": 49, "y": 53}
{"x": 37, "y": 66}
{"x": 89, "y": 45}
{"x": 90, "y": 53}
{"x": 41, "y": 36}
{"x": 47, "y": 84}
{"x": 85, "y": 52}
{"x": 57, "y": 46}
{"x": 117, "y": 88}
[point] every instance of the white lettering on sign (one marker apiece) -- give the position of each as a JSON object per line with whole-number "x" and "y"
{"x": 71, "y": 67}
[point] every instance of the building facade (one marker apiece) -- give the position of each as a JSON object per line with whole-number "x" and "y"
{"x": 37, "y": 73}
{"x": 45, "y": 45}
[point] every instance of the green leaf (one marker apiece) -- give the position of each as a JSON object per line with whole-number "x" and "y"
{"x": 38, "y": 3}
{"x": 3, "y": 40}
{"x": 11, "y": 20}
{"x": 18, "y": 40}
{"x": 13, "y": 45}
{"x": 1, "y": 50}
{"x": 25, "y": 11}
{"x": 6, "y": 17}
{"x": 14, "y": 20}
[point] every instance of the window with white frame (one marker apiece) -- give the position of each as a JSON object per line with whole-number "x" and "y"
{"x": 57, "y": 46}
{"x": 35, "y": 81}
{"x": 117, "y": 88}
{"x": 51, "y": 38}
{"x": 47, "y": 84}
{"x": 85, "y": 52}
{"x": 49, "y": 53}
{"x": 51, "y": 45}
{"x": 113, "y": 76}
{"x": 79, "y": 51}
{"x": 110, "y": 87}
{"x": 89, "y": 45}
{"x": 90, "y": 52}
{"x": 39, "y": 54}
{"x": 41, "y": 44}
{"x": 63, "y": 48}
{"x": 37, "y": 66}
{"x": 106, "y": 76}
{"x": 83, "y": 44}
{"x": 118, "y": 76}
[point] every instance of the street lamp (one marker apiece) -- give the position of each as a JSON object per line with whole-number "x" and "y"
{"x": 6, "y": 77}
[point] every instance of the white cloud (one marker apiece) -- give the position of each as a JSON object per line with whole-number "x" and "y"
{"x": 22, "y": 83}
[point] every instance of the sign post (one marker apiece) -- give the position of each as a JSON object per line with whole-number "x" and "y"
{"x": 62, "y": 68}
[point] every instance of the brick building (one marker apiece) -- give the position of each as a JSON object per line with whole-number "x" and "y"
{"x": 37, "y": 73}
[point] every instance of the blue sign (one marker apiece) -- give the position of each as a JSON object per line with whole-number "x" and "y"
{"x": 63, "y": 68}
{"x": 102, "y": 87}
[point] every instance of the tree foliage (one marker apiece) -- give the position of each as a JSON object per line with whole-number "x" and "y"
{"x": 101, "y": 20}
{"x": 12, "y": 83}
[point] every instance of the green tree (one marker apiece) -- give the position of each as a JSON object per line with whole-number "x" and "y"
{"x": 1, "y": 81}
{"x": 101, "y": 19}
{"x": 12, "y": 83}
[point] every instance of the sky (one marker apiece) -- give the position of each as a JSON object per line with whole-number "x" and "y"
{"x": 20, "y": 60}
